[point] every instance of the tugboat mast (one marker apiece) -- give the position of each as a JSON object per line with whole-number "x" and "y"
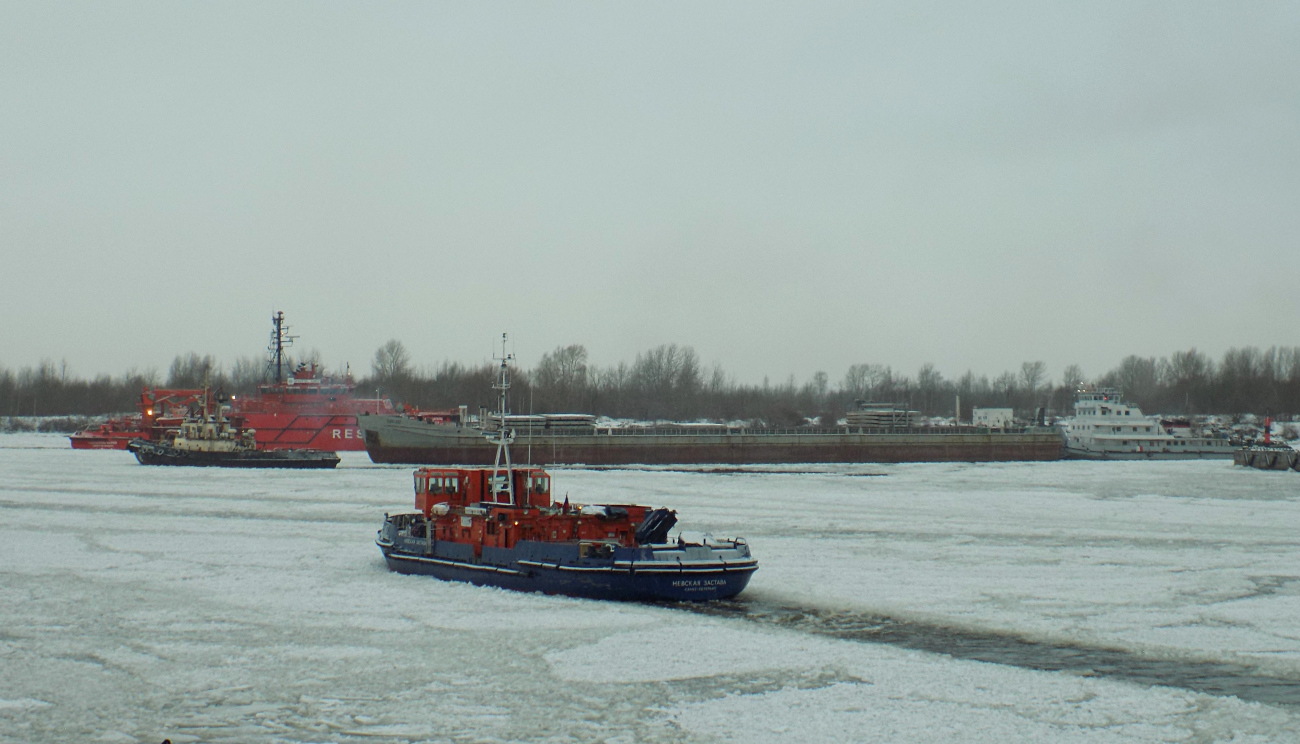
{"x": 503, "y": 437}
{"x": 280, "y": 339}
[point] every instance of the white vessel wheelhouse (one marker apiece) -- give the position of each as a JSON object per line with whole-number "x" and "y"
{"x": 1105, "y": 427}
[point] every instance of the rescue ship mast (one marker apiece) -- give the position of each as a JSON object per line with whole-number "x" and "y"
{"x": 280, "y": 339}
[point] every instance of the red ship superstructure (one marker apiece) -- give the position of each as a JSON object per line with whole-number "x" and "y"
{"x": 304, "y": 410}
{"x": 307, "y": 411}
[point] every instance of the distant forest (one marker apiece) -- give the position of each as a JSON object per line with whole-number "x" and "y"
{"x": 670, "y": 383}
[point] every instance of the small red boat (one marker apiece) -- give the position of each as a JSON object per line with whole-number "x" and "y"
{"x": 161, "y": 410}
{"x": 111, "y": 434}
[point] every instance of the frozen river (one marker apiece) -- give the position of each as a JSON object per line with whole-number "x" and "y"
{"x": 1026, "y": 602}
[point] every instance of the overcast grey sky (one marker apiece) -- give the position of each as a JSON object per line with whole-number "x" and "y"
{"x": 787, "y": 188}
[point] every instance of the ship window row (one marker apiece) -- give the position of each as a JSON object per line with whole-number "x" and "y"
{"x": 437, "y": 484}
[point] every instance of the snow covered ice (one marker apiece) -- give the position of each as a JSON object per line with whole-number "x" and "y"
{"x": 140, "y": 603}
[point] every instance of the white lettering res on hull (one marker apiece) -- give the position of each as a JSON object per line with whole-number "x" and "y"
{"x": 345, "y": 434}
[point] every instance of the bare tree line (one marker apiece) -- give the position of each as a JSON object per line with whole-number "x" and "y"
{"x": 48, "y": 390}
{"x": 669, "y": 382}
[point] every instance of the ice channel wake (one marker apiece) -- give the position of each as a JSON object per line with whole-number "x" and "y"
{"x": 1207, "y": 677}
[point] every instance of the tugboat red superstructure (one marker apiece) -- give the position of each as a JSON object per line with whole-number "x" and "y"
{"x": 499, "y": 526}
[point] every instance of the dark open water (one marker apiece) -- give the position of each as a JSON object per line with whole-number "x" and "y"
{"x": 1211, "y": 678}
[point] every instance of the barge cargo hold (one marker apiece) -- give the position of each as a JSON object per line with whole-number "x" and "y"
{"x": 409, "y": 440}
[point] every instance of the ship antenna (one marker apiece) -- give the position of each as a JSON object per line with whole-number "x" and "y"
{"x": 280, "y": 339}
{"x": 503, "y": 436}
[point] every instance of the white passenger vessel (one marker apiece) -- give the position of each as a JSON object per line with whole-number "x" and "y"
{"x": 1106, "y": 428}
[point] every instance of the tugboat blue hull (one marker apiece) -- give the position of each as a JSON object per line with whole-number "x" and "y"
{"x": 624, "y": 583}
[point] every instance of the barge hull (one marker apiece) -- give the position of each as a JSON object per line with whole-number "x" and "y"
{"x": 1268, "y": 458}
{"x": 1073, "y": 454}
{"x": 601, "y": 449}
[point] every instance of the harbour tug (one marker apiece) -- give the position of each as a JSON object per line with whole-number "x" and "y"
{"x": 208, "y": 437}
{"x": 499, "y": 526}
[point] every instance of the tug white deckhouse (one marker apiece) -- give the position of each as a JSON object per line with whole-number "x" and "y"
{"x": 1106, "y": 428}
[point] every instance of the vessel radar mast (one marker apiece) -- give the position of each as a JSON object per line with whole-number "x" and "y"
{"x": 280, "y": 339}
{"x": 502, "y": 478}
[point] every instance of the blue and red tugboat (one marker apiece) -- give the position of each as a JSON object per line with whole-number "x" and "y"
{"x": 498, "y": 526}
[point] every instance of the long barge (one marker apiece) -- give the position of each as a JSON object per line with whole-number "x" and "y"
{"x": 446, "y": 441}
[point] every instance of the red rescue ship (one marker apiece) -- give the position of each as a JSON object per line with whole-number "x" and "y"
{"x": 306, "y": 410}
{"x": 302, "y": 410}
